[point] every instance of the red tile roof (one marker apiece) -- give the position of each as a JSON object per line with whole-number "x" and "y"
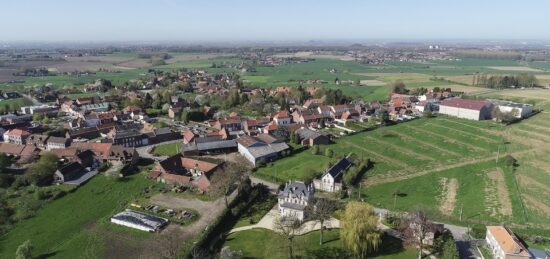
{"x": 174, "y": 178}
{"x": 18, "y": 132}
{"x": 202, "y": 166}
{"x": 203, "y": 183}
{"x": 188, "y": 136}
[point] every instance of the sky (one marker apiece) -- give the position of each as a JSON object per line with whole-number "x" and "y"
{"x": 281, "y": 20}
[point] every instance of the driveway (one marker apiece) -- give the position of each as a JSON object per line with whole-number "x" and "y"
{"x": 268, "y": 220}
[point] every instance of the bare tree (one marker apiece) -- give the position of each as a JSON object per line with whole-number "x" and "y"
{"x": 320, "y": 210}
{"x": 225, "y": 179}
{"x": 200, "y": 253}
{"x": 288, "y": 227}
{"x": 416, "y": 229}
{"x": 227, "y": 253}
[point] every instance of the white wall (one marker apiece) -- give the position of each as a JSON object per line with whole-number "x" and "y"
{"x": 460, "y": 112}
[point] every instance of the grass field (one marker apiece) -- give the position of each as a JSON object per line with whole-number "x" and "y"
{"x": 262, "y": 243}
{"x": 167, "y": 149}
{"x": 78, "y": 222}
{"x": 14, "y": 104}
{"x": 294, "y": 167}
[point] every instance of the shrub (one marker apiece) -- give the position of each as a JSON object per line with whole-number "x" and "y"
{"x": 315, "y": 150}
{"x": 478, "y": 231}
{"x": 329, "y": 152}
{"x": 42, "y": 194}
{"x": 104, "y": 167}
{"x": 261, "y": 163}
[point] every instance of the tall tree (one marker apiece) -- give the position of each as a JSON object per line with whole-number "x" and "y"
{"x": 288, "y": 227}
{"x": 321, "y": 210}
{"x": 359, "y": 231}
{"x": 416, "y": 228}
{"x": 398, "y": 87}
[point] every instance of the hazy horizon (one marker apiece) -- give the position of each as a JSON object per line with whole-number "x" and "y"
{"x": 250, "y": 21}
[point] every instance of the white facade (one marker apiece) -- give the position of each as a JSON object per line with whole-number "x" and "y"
{"x": 503, "y": 245}
{"x": 294, "y": 199}
{"x": 283, "y": 121}
{"x": 327, "y": 184}
{"x": 462, "y": 113}
{"x": 521, "y": 111}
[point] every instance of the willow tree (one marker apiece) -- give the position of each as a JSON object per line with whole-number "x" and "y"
{"x": 359, "y": 231}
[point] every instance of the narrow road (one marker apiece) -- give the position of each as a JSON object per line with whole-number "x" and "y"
{"x": 460, "y": 234}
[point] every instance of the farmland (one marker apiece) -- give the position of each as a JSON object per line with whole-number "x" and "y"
{"x": 456, "y": 74}
{"x": 447, "y": 164}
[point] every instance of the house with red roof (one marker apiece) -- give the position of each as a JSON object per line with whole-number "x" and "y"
{"x": 282, "y": 118}
{"x": 16, "y": 136}
{"x": 466, "y": 109}
{"x": 183, "y": 171}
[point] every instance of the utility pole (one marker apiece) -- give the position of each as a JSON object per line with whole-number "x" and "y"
{"x": 359, "y": 190}
{"x": 394, "y": 199}
{"x": 461, "y": 207}
{"x": 498, "y": 154}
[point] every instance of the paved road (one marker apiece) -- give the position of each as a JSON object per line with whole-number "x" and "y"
{"x": 463, "y": 241}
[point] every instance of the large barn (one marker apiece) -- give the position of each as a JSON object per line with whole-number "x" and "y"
{"x": 466, "y": 109}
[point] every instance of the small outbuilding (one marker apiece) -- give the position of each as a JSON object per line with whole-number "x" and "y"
{"x": 138, "y": 220}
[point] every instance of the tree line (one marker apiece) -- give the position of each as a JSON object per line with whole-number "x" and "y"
{"x": 504, "y": 81}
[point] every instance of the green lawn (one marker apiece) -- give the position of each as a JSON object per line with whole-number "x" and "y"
{"x": 167, "y": 149}
{"x": 256, "y": 212}
{"x": 14, "y": 104}
{"x": 64, "y": 227}
{"x": 294, "y": 167}
{"x": 262, "y": 243}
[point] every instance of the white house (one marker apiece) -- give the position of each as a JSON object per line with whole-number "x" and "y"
{"x": 294, "y": 199}
{"x": 282, "y": 118}
{"x": 331, "y": 181}
{"x": 504, "y": 244}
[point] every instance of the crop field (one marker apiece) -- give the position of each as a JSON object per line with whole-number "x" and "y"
{"x": 126, "y": 66}
{"x": 446, "y": 164}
